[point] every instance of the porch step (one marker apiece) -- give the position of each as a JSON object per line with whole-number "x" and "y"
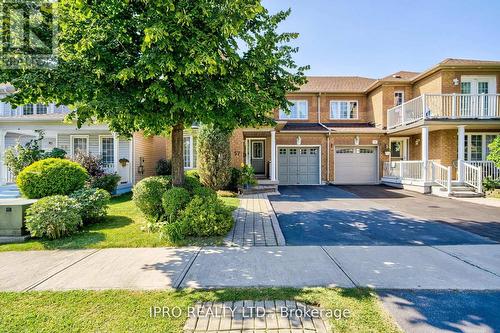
{"x": 465, "y": 194}
{"x": 457, "y": 191}
{"x": 259, "y": 189}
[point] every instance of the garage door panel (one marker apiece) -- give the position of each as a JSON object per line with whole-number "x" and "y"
{"x": 298, "y": 166}
{"x": 356, "y": 165}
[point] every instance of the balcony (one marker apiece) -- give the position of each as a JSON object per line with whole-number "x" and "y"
{"x": 7, "y": 111}
{"x": 443, "y": 106}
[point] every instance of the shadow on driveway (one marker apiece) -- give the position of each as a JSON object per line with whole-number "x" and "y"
{"x": 328, "y": 215}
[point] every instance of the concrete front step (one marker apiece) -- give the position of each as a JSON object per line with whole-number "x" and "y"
{"x": 259, "y": 189}
{"x": 457, "y": 192}
{"x": 465, "y": 194}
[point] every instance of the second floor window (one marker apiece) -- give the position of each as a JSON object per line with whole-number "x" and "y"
{"x": 297, "y": 111}
{"x": 344, "y": 110}
{"x": 41, "y": 109}
{"x": 28, "y": 109}
{"x": 399, "y": 98}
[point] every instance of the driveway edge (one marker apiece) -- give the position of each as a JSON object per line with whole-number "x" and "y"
{"x": 280, "y": 239}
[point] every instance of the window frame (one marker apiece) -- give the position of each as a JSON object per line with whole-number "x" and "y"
{"x": 192, "y": 156}
{"x": 100, "y": 146}
{"x": 484, "y": 148}
{"x": 402, "y": 97}
{"x": 333, "y": 101}
{"x": 284, "y": 116}
{"x": 72, "y": 144}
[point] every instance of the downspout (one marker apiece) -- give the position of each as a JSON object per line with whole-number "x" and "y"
{"x": 327, "y": 139}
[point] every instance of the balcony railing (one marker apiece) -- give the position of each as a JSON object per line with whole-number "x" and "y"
{"x": 444, "y": 106}
{"x": 7, "y": 111}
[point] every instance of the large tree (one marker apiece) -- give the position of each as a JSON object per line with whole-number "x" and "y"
{"x": 157, "y": 65}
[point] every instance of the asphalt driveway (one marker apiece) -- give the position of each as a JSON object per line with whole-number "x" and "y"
{"x": 368, "y": 215}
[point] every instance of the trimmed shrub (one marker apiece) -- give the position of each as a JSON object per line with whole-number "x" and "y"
{"x": 174, "y": 201}
{"x": 92, "y": 203}
{"x": 207, "y": 216}
{"x": 108, "y": 182}
{"x": 204, "y": 192}
{"x": 55, "y": 153}
{"x": 234, "y": 180}
{"x": 53, "y": 217}
{"x": 191, "y": 182}
{"x": 148, "y": 193}
{"x": 163, "y": 168}
{"x": 50, "y": 177}
{"x": 214, "y": 157}
{"x": 192, "y": 173}
{"x": 174, "y": 232}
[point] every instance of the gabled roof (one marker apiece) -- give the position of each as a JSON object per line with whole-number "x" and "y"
{"x": 400, "y": 76}
{"x": 468, "y": 62}
{"x": 336, "y": 84}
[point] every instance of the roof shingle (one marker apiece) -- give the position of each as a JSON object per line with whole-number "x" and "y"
{"x": 336, "y": 84}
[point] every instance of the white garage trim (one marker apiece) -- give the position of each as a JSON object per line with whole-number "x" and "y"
{"x": 299, "y": 146}
{"x": 377, "y": 178}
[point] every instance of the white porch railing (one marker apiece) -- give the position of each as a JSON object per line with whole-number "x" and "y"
{"x": 472, "y": 175}
{"x": 6, "y": 110}
{"x": 444, "y": 106}
{"x": 441, "y": 175}
{"x": 411, "y": 170}
{"x": 490, "y": 170}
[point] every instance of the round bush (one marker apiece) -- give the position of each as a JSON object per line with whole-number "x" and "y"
{"x": 93, "y": 203}
{"x": 174, "y": 200}
{"x": 191, "y": 182}
{"x": 51, "y": 176}
{"x": 147, "y": 195}
{"x": 207, "y": 216}
{"x": 53, "y": 217}
{"x": 204, "y": 192}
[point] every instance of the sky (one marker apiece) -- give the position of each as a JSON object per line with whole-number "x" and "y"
{"x": 379, "y": 37}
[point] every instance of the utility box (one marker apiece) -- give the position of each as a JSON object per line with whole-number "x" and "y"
{"x": 12, "y": 212}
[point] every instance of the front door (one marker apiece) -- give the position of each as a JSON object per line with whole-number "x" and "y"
{"x": 257, "y": 156}
{"x": 399, "y": 149}
{"x": 481, "y": 103}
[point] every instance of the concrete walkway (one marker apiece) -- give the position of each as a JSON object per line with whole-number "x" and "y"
{"x": 255, "y": 223}
{"x": 464, "y": 267}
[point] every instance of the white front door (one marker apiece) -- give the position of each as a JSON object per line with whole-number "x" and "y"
{"x": 481, "y": 103}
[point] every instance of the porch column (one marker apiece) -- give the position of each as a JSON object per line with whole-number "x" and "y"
{"x": 425, "y": 151}
{"x": 3, "y": 168}
{"x": 115, "y": 152}
{"x": 461, "y": 151}
{"x": 273, "y": 155}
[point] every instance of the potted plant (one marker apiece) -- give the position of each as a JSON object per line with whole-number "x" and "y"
{"x": 247, "y": 176}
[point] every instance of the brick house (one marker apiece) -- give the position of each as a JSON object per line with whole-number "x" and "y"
{"x": 408, "y": 129}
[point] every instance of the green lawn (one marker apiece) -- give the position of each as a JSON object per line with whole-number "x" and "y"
{"x": 122, "y": 228}
{"x": 128, "y": 311}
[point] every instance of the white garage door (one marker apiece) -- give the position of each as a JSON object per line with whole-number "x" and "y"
{"x": 298, "y": 166}
{"x": 356, "y": 165}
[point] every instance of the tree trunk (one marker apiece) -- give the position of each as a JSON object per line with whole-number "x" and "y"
{"x": 178, "y": 155}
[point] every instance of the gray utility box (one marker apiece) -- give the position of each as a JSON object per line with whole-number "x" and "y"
{"x": 12, "y": 213}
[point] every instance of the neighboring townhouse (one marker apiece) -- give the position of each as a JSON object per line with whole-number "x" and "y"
{"x": 409, "y": 129}
{"x": 20, "y": 125}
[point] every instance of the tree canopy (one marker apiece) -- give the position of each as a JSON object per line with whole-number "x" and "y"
{"x": 154, "y": 65}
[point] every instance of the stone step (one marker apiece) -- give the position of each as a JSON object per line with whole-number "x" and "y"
{"x": 465, "y": 194}
{"x": 259, "y": 189}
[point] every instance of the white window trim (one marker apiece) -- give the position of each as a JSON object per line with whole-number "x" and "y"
{"x": 403, "y": 96}
{"x": 347, "y": 101}
{"x": 284, "y": 116}
{"x": 100, "y": 145}
{"x": 483, "y": 143}
{"x": 406, "y": 146}
{"x": 71, "y": 137}
{"x": 191, "y": 153}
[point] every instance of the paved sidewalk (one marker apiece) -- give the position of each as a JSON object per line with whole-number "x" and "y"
{"x": 464, "y": 267}
{"x": 255, "y": 223}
